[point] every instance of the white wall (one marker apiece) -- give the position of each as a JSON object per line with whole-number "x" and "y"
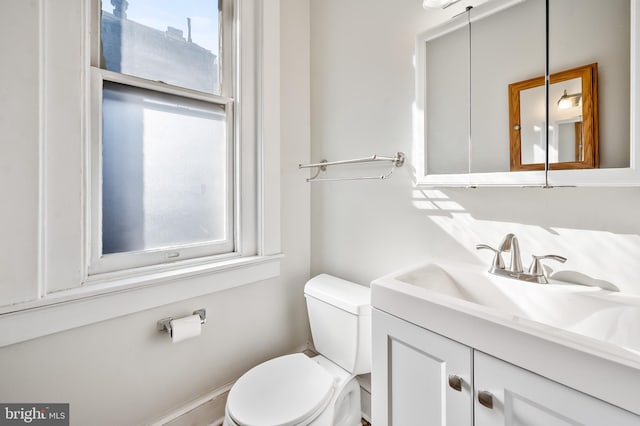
{"x": 122, "y": 371}
{"x": 362, "y": 93}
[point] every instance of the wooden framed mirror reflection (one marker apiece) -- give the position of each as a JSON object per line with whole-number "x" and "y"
{"x": 573, "y": 121}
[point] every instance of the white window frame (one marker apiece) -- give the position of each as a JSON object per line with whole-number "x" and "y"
{"x": 208, "y": 251}
{"x": 65, "y": 295}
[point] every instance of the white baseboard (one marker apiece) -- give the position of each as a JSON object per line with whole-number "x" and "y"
{"x": 200, "y": 411}
{"x": 218, "y": 422}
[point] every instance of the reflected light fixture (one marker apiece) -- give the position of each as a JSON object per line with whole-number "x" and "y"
{"x": 438, "y": 4}
{"x": 569, "y": 101}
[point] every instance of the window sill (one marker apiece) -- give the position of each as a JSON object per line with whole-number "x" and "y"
{"x": 105, "y": 300}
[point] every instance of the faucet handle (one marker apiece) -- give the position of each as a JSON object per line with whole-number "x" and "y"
{"x": 498, "y": 263}
{"x": 536, "y": 266}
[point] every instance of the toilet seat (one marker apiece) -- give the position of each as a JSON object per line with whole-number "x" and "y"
{"x": 284, "y": 391}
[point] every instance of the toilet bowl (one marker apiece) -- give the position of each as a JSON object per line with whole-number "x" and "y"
{"x": 319, "y": 391}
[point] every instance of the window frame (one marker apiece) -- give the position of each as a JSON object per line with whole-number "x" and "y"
{"x": 63, "y": 295}
{"x": 166, "y": 257}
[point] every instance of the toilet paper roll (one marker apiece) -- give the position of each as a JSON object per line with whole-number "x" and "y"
{"x": 185, "y": 328}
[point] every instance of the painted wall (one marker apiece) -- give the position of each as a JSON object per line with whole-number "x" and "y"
{"x": 122, "y": 371}
{"x": 362, "y": 95}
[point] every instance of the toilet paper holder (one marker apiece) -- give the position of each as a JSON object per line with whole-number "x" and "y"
{"x": 165, "y": 323}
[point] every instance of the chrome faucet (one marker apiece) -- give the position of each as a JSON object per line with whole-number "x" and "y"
{"x": 535, "y": 273}
{"x": 510, "y": 244}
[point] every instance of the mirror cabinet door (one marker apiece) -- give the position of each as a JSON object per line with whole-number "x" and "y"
{"x": 466, "y": 66}
{"x": 503, "y": 50}
{"x": 447, "y": 102}
{"x": 589, "y": 32}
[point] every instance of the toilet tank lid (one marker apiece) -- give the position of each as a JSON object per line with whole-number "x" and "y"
{"x": 343, "y": 294}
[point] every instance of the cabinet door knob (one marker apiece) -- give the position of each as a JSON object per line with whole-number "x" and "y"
{"x": 485, "y": 398}
{"x": 455, "y": 382}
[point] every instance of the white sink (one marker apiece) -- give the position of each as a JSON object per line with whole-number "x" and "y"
{"x": 604, "y": 316}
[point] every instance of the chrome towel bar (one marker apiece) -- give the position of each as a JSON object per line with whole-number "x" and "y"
{"x": 397, "y": 161}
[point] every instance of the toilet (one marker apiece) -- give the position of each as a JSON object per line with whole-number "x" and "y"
{"x": 316, "y": 391}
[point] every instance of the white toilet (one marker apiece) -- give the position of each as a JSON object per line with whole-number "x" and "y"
{"x": 320, "y": 391}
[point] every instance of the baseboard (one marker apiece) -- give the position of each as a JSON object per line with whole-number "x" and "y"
{"x": 201, "y": 411}
{"x": 218, "y": 422}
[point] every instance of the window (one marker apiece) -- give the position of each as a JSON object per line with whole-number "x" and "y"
{"x": 163, "y": 153}
{"x": 75, "y": 274}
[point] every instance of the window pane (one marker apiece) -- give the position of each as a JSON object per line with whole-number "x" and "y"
{"x": 164, "y": 170}
{"x": 174, "y": 41}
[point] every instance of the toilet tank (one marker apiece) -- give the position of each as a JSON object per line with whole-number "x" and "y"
{"x": 340, "y": 319}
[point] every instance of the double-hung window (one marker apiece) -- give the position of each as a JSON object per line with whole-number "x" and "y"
{"x": 163, "y": 153}
{"x": 151, "y": 133}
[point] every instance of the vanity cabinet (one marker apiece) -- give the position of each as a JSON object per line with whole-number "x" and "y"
{"x": 415, "y": 381}
{"x": 410, "y": 376}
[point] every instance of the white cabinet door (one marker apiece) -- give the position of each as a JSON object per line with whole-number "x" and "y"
{"x": 411, "y": 374}
{"x": 521, "y": 397}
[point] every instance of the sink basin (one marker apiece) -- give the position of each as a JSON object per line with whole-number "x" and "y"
{"x": 592, "y": 312}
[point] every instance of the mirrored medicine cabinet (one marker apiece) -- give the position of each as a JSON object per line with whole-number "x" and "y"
{"x": 487, "y": 114}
